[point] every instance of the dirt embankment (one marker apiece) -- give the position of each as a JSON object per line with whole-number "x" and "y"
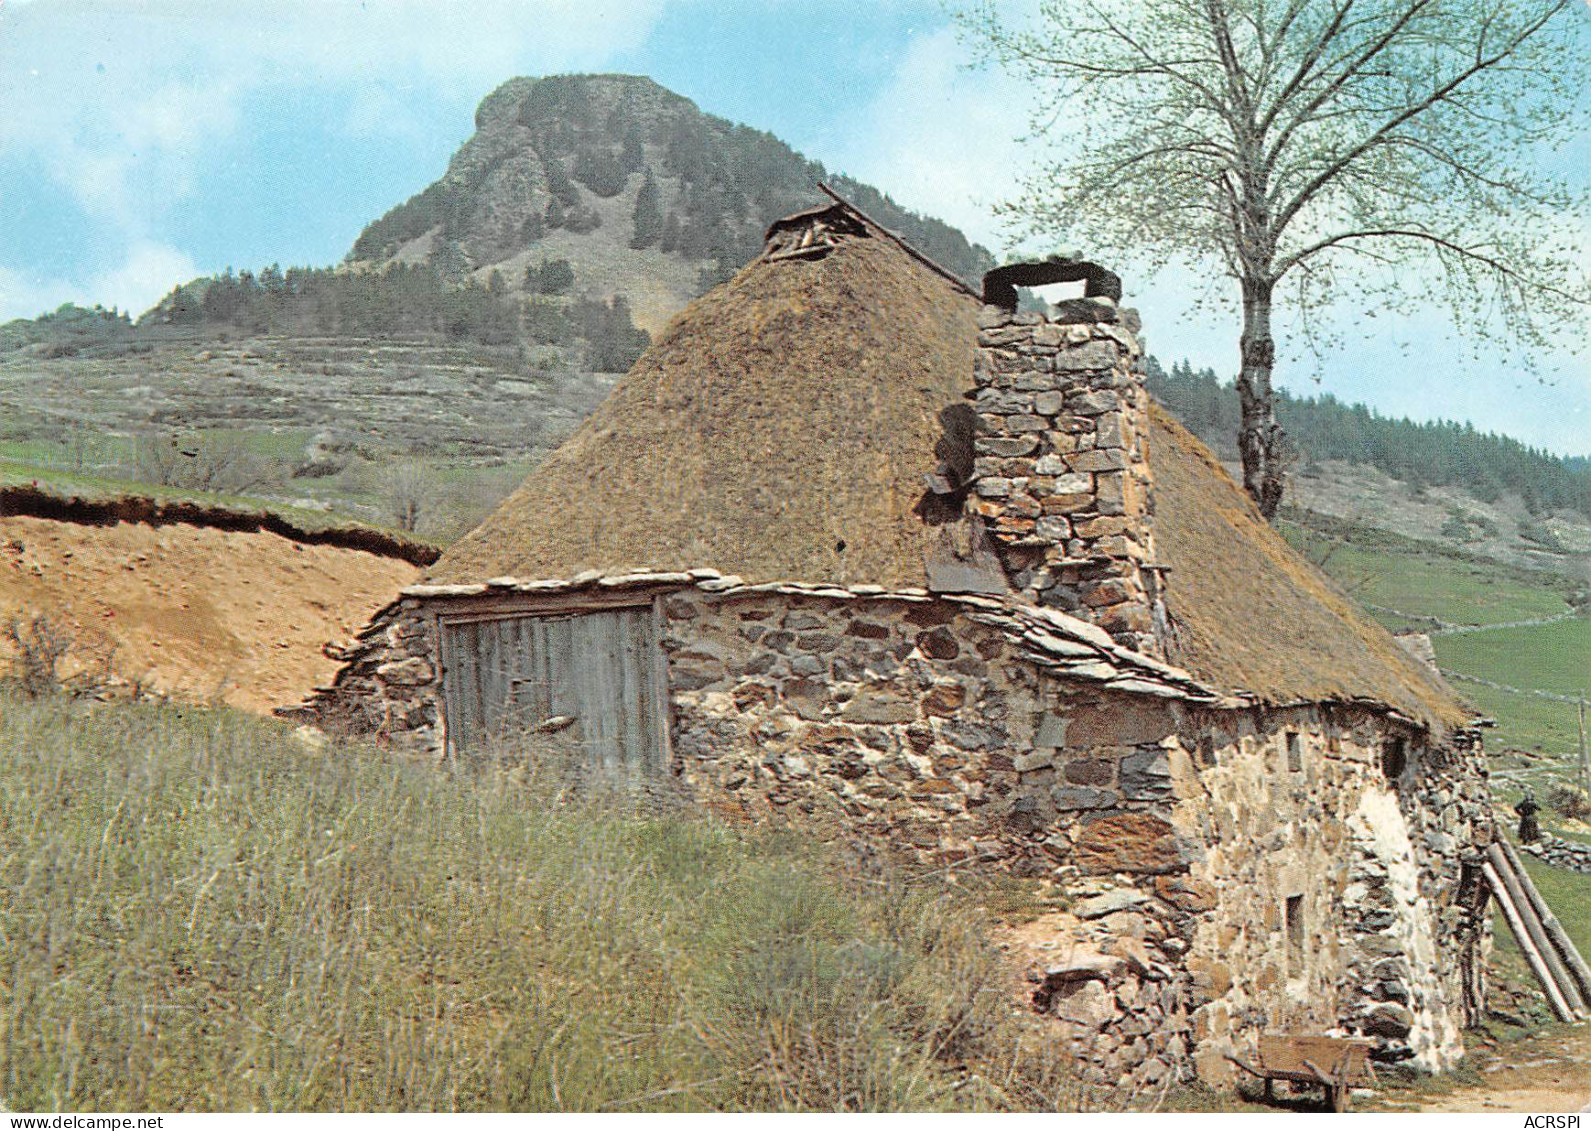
{"x": 193, "y": 610}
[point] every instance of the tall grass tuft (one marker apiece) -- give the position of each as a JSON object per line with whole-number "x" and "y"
{"x": 197, "y": 912}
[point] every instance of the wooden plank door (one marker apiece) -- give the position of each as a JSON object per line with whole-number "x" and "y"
{"x": 506, "y": 677}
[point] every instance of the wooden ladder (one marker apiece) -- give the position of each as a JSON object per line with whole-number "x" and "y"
{"x": 1553, "y": 959}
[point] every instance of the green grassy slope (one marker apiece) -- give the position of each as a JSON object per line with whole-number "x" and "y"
{"x": 1387, "y": 572}
{"x": 1443, "y": 588}
{"x": 1555, "y": 658}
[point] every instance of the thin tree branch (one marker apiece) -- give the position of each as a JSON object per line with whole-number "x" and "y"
{"x": 1491, "y": 263}
{"x": 1440, "y": 94}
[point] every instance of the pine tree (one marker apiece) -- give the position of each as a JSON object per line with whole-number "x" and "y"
{"x": 632, "y": 155}
{"x": 554, "y": 277}
{"x": 669, "y": 239}
{"x": 648, "y": 216}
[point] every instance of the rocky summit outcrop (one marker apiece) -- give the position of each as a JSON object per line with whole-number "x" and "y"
{"x": 644, "y": 195}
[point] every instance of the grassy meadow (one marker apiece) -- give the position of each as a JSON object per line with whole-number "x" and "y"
{"x": 1555, "y": 658}
{"x": 1387, "y": 572}
{"x": 203, "y": 913}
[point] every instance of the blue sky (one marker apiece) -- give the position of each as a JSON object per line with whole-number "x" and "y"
{"x": 142, "y": 144}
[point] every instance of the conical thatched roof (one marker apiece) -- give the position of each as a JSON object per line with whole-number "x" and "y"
{"x": 784, "y": 428}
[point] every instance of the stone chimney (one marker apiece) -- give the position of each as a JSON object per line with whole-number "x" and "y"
{"x": 1061, "y": 479}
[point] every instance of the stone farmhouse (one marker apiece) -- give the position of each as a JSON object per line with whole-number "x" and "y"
{"x": 857, "y": 546}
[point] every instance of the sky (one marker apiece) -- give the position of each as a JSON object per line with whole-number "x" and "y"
{"x": 144, "y": 143}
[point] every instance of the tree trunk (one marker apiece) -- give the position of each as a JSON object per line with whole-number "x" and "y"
{"x": 1260, "y": 437}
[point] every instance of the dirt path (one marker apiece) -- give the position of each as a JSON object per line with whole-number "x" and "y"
{"x": 196, "y": 611}
{"x": 1547, "y": 1073}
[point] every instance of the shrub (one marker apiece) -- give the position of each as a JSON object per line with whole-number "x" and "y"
{"x": 38, "y": 645}
{"x": 1567, "y": 801}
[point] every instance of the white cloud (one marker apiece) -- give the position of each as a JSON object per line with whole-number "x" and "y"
{"x": 942, "y": 138}
{"x": 147, "y": 272}
{"x": 118, "y": 102}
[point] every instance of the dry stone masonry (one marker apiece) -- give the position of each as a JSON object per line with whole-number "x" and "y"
{"x": 1062, "y": 477}
{"x": 1191, "y": 828}
{"x": 1574, "y": 856}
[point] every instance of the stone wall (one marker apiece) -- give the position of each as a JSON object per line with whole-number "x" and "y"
{"x": 1182, "y": 832}
{"x": 964, "y": 733}
{"x": 1340, "y": 896}
{"x": 1570, "y": 854}
{"x": 910, "y": 722}
{"x": 914, "y": 729}
{"x": 1061, "y": 477}
{"x": 387, "y": 688}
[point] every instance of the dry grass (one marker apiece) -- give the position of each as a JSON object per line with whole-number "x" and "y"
{"x": 200, "y": 913}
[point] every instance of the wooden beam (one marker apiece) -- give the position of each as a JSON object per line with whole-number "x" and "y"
{"x": 494, "y": 605}
{"x": 1538, "y": 965}
{"x": 1538, "y": 933}
{"x": 1560, "y": 938}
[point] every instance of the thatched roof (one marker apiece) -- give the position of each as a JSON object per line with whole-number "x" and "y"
{"x": 784, "y": 427}
{"x": 781, "y": 428}
{"x": 1251, "y": 613}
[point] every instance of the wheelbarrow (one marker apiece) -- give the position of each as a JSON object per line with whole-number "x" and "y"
{"x": 1334, "y": 1063}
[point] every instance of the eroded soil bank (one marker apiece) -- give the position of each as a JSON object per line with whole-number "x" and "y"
{"x": 195, "y": 611}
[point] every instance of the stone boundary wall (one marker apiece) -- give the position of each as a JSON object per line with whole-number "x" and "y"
{"x": 1570, "y": 854}
{"x": 1061, "y": 474}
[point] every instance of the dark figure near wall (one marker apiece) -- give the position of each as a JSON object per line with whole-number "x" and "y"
{"x": 1529, "y": 827}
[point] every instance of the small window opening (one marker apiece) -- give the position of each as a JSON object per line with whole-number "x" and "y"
{"x": 1294, "y": 915}
{"x": 1295, "y": 752}
{"x": 1207, "y": 750}
{"x": 1394, "y": 757}
{"x": 839, "y": 547}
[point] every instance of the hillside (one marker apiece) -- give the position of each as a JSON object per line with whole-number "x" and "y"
{"x": 644, "y": 194}
{"x": 472, "y": 326}
{"x": 1484, "y": 465}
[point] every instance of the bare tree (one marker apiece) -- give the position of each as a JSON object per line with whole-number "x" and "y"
{"x": 410, "y": 492}
{"x": 1389, "y": 144}
{"x": 215, "y": 462}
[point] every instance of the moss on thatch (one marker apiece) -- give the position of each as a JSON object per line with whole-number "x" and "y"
{"x": 782, "y": 428}
{"x": 1251, "y": 613}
